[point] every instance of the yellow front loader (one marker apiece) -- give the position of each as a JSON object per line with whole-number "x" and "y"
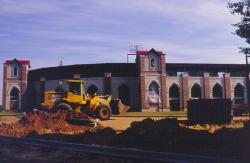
{"x": 78, "y": 100}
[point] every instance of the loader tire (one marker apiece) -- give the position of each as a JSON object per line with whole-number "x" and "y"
{"x": 63, "y": 107}
{"x": 103, "y": 112}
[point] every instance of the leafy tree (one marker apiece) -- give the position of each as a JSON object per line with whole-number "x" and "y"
{"x": 242, "y": 8}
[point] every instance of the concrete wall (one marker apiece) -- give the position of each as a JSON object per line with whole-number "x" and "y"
{"x": 130, "y": 82}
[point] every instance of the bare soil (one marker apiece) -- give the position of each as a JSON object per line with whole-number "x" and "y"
{"x": 158, "y": 134}
{"x": 42, "y": 122}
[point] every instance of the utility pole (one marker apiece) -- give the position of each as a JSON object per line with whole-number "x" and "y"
{"x": 247, "y": 81}
{"x": 246, "y": 51}
{"x": 60, "y": 63}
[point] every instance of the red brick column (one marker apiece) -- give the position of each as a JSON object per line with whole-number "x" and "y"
{"x": 107, "y": 83}
{"x": 227, "y": 85}
{"x": 163, "y": 83}
{"x": 206, "y": 86}
{"x": 185, "y": 94}
{"x": 142, "y": 82}
{"x": 4, "y": 93}
{"x": 24, "y": 79}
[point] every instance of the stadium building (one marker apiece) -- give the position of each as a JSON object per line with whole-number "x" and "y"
{"x": 149, "y": 85}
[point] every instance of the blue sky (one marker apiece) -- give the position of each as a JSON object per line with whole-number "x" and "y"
{"x": 100, "y": 31}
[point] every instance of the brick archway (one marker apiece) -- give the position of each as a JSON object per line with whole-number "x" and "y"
{"x": 14, "y": 99}
{"x": 239, "y": 94}
{"x": 174, "y": 97}
{"x": 217, "y": 91}
{"x": 124, "y": 94}
{"x": 153, "y": 93}
{"x": 196, "y": 91}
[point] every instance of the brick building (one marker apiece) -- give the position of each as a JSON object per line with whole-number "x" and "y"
{"x": 15, "y": 74}
{"x": 149, "y": 84}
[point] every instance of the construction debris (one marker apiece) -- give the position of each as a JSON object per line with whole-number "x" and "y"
{"x": 55, "y": 123}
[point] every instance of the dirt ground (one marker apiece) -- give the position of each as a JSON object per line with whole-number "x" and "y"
{"x": 117, "y": 123}
{"x": 136, "y": 136}
{"x": 64, "y": 122}
{"x": 122, "y": 123}
{"x": 8, "y": 119}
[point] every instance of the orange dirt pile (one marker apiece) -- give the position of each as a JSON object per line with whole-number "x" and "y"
{"x": 212, "y": 128}
{"x": 43, "y": 122}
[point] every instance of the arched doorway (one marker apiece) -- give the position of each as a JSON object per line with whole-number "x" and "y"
{"x": 196, "y": 91}
{"x": 14, "y": 98}
{"x": 217, "y": 91}
{"x": 124, "y": 94}
{"x": 174, "y": 97}
{"x": 153, "y": 93}
{"x": 92, "y": 89}
{"x": 239, "y": 94}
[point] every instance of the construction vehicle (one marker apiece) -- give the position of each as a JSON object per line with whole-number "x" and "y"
{"x": 76, "y": 99}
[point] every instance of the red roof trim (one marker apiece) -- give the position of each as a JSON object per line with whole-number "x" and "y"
{"x": 146, "y": 52}
{"x": 22, "y": 62}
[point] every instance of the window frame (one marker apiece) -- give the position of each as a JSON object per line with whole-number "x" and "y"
{"x": 150, "y": 63}
{"x": 14, "y": 72}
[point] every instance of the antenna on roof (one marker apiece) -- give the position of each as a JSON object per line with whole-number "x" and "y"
{"x": 133, "y": 49}
{"x": 60, "y": 63}
{"x": 136, "y": 47}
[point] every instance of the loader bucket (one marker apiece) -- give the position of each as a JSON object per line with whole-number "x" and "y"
{"x": 122, "y": 108}
{"x": 118, "y": 107}
{"x": 79, "y": 118}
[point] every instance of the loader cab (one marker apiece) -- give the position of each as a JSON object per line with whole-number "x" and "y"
{"x": 75, "y": 92}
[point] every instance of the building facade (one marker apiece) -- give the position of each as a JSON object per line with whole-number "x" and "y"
{"x": 149, "y": 85}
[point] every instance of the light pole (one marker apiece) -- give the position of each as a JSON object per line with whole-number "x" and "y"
{"x": 246, "y": 51}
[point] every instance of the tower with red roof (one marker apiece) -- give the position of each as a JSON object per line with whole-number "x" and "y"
{"x": 152, "y": 80}
{"x": 14, "y": 84}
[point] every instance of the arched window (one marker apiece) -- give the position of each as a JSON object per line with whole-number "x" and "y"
{"x": 174, "y": 97}
{"x": 239, "y": 94}
{"x": 217, "y": 91}
{"x": 92, "y": 89}
{"x": 153, "y": 87}
{"x": 14, "y": 94}
{"x": 14, "y": 71}
{"x": 152, "y": 62}
{"x": 196, "y": 91}
{"x": 153, "y": 92}
{"x": 124, "y": 94}
{"x": 174, "y": 92}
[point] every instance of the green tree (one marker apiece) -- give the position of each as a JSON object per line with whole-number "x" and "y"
{"x": 242, "y": 8}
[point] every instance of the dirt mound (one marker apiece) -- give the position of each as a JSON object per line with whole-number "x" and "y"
{"x": 167, "y": 135}
{"x": 43, "y": 122}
